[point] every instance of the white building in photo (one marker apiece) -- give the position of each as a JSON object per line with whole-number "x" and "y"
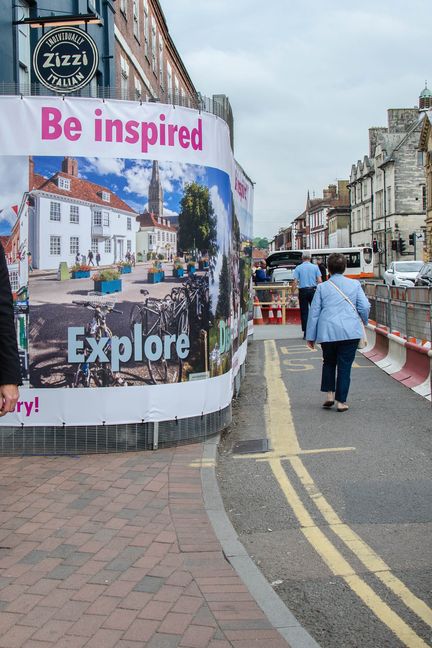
{"x": 156, "y": 235}
{"x": 71, "y": 215}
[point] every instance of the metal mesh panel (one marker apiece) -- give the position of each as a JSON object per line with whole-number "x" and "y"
{"x": 407, "y": 310}
{"x": 419, "y": 313}
{"x": 101, "y": 439}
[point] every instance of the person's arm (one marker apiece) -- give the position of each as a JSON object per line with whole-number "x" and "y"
{"x": 362, "y": 304}
{"x": 10, "y": 370}
{"x": 313, "y": 317}
{"x": 318, "y": 275}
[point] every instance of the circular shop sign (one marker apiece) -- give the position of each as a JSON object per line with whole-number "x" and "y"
{"x": 65, "y": 59}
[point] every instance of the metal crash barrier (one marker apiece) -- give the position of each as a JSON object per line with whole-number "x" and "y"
{"x": 276, "y": 304}
{"x": 402, "y": 311}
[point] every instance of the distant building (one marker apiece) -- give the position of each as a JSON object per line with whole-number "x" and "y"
{"x": 156, "y": 235}
{"x": 388, "y": 188}
{"x": 317, "y": 212}
{"x": 71, "y": 215}
{"x": 339, "y": 227}
{"x": 426, "y": 150}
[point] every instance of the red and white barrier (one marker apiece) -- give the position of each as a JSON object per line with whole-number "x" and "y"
{"x": 410, "y": 364}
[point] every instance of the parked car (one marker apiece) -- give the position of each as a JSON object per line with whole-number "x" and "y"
{"x": 402, "y": 273}
{"x": 424, "y": 277}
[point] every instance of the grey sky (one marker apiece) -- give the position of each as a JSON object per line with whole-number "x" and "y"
{"x": 306, "y": 79}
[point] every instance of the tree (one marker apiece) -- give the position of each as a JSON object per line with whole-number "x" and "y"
{"x": 197, "y": 220}
{"x": 223, "y": 308}
{"x": 261, "y": 243}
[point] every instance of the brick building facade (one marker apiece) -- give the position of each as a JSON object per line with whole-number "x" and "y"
{"x": 147, "y": 63}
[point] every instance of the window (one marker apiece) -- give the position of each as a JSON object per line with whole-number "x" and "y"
{"x": 55, "y": 246}
{"x": 95, "y": 245}
{"x": 106, "y": 219}
{"x": 169, "y": 80}
{"x": 176, "y": 89}
{"x": 158, "y": 235}
{"x": 128, "y": 246}
{"x": 153, "y": 61}
{"x": 138, "y": 89}
{"x": 54, "y": 211}
{"x": 14, "y": 281}
{"x": 74, "y": 214}
{"x": 63, "y": 183}
{"x": 108, "y": 246}
{"x": 124, "y": 78}
{"x": 129, "y": 223}
{"x": 161, "y": 62}
{"x": 367, "y": 217}
{"x": 420, "y": 158}
{"x": 106, "y": 196}
{"x": 424, "y": 197}
{"x": 389, "y": 200}
{"x": 123, "y": 7}
{"x": 74, "y": 245}
{"x": 136, "y": 29}
{"x": 146, "y": 29}
{"x": 97, "y": 217}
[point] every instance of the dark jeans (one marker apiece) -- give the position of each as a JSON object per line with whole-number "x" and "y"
{"x": 338, "y": 355}
{"x": 305, "y": 299}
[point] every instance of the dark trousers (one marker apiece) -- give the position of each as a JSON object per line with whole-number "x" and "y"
{"x": 305, "y": 299}
{"x": 338, "y": 357}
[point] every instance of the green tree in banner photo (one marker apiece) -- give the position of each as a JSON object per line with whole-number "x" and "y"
{"x": 197, "y": 221}
{"x": 223, "y": 308}
{"x": 261, "y": 243}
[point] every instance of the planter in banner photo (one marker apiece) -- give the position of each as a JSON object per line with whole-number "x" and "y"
{"x": 80, "y": 274}
{"x": 178, "y": 272}
{"x": 203, "y": 264}
{"x": 154, "y": 277}
{"x": 191, "y": 269}
{"x": 108, "y": 287}
{"x": 162, "y": 274}
{"x": 126, "y": 269}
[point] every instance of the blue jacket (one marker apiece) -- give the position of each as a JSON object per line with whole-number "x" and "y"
{"x": 331, "y": 317}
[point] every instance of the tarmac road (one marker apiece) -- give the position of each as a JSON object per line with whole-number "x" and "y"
{"x": 338, "y": 515}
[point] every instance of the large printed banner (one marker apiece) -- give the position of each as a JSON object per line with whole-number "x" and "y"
{"x": 127, "y": 230}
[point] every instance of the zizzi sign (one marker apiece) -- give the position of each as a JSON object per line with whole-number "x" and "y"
{"x": 65, "y": 59}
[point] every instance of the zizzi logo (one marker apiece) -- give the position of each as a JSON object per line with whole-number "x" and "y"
{"x": 65, "y": 59}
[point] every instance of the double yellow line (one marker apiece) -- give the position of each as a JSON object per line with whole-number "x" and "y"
{"x": 281, "y": 431}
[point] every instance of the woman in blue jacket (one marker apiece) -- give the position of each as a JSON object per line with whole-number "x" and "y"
{"x": 335, "y": 321}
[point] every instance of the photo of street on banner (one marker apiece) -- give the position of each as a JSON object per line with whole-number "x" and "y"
{"x": 130, "y": 275}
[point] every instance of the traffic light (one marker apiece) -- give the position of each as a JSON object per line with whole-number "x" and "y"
{"x": 402, "y": 246}
{"x": 412, "y": 239}
{"x": 394, "y": 245}
{"x": 375, "y": 246}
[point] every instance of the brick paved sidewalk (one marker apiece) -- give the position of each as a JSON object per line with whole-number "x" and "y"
{"x": 117, "y": 551}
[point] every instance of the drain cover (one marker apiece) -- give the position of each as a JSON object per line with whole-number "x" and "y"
{"x": 251, "y": 445}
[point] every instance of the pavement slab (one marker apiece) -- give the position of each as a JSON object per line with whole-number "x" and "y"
{"x": 118, "y": 551}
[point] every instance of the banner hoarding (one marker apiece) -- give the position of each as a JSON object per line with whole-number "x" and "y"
{"x": 131, "y": 197}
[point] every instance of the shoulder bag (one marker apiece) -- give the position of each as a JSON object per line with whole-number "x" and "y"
{"x": 363, "y": 340}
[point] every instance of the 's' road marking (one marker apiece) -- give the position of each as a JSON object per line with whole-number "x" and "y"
{"x": 281, "y": 431}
